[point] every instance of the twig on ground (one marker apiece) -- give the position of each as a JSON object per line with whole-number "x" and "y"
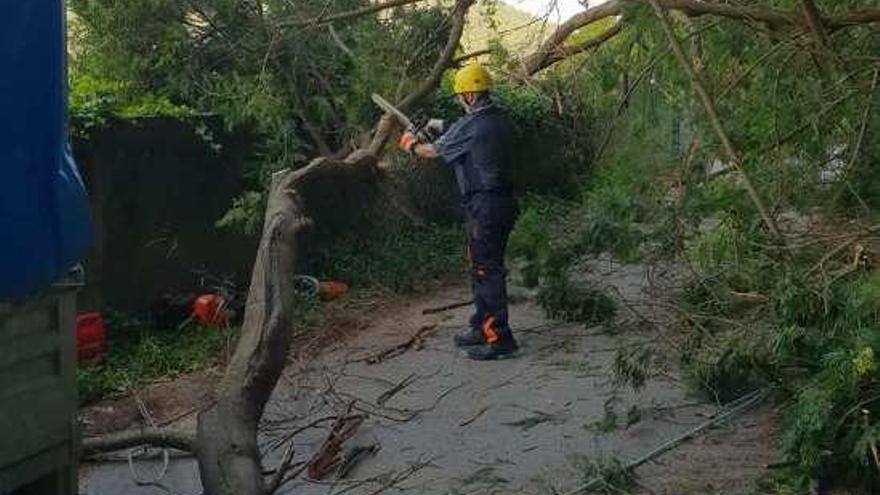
{"x": 327, "y": 458}
{"x": 278, "y": 477}
{"x": 354, "y": 456}
{"x": 397, "y": 388}
{"x": 732, "y": 409}
{"x": 840, "y": 247}
{"x": 475, "y": 416}
{"x": 414, "y": 342}
{"x": 406, "y": 415}
{"x": 447, "y": 307}
{"x": 184, "y": 414}
{"x": 400, "y": 477}
{"x": 289, "y": 436}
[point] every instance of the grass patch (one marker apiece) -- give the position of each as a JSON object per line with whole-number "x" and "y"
{"x": 138, "y": 354}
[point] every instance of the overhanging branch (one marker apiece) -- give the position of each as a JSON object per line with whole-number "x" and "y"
{"x": 553, "y": 49}
{"x": 538, "y": 60}
{"x": 566, "y": 51}
{"x": 387, "y": 122}
{"x": 372, "y": 9}
{"x": 695, "y": 8}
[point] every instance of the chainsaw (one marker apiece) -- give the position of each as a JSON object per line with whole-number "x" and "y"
{"x": 426, "y": 131}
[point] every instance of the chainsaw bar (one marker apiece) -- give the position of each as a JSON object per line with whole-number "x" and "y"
{"x": 388, "y": 107}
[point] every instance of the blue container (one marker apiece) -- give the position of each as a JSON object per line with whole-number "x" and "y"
{"x": 44, "y": 216}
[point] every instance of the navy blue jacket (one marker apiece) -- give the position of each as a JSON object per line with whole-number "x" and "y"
{"x": 477, "y": 147}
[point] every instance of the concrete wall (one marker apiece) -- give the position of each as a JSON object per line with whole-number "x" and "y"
{"x": 157, "y": 186}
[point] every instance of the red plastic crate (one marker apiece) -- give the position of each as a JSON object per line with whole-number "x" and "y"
{"x": 91, "y": 340}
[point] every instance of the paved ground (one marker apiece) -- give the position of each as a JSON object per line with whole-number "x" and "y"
{"x": 443, "y": 424}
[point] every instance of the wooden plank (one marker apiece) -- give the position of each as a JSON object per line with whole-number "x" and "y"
{"x": 38, "y": 316}
{"x": 33, "y": 420}
{"x": 33, "y": 373}
{"x": 38, "y": 397}
{"x": 53, "y": 461}
{"x": 27, "y": 347}
{"x": 67, "y": 343}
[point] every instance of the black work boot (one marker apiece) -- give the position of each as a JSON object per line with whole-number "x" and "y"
{"x": 469, "y": 338}
{"x": 505, "y": 348}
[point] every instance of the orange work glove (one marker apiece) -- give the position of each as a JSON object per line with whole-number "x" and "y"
{"x": 407, "y": 142}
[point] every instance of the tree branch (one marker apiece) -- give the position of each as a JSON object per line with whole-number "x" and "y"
{"x": 457, "y": 61}
{"x": 537, "y": 60}
{"x": 387, "y": 122}
{"x": 814, "y": 22}
{"x": 564, "y": 52}
{"x": 695, "y": 8}
{"x": 157, "y": 437}
{"x": 714, "y": 119}
{"x": 544, "y": 56}
{"x": 863, "y": 16}
{"x": 372, "y": 9}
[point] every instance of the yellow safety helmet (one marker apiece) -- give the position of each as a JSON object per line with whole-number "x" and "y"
{"x": 472, "y": 78}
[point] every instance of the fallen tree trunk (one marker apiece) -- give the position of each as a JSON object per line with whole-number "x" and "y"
{"x": 227, "y": 432}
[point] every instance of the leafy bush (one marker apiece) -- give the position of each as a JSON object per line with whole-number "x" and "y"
{"x": 402, "y": 259}
{"x": 93, "y": 101}
{"x": 814, "y": 344}
{"x": 542, "y": 243}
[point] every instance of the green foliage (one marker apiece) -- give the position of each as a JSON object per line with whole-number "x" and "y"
{"x": 632, "y": 367}
{"x": 245, "y": 214}
{"x": 562, "y": 300}
{"x": 92, "y": 101}
{"x": 726, "y": 253}
{"x": 830, "y": 366}
{"x": 755, "y": 314}
{"x": 539, "y": 244}
{"x": 611, "y": 214}
{"x": 725, "y": 367}
{"x": 815, "y": 345}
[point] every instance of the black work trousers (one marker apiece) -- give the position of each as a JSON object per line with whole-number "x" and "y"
{"x": 489, "y": 219}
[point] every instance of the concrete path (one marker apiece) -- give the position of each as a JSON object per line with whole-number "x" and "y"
{"x": 535, "y": 424}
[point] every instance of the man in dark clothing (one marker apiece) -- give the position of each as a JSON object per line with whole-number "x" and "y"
{"x": 477, "y": 148}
